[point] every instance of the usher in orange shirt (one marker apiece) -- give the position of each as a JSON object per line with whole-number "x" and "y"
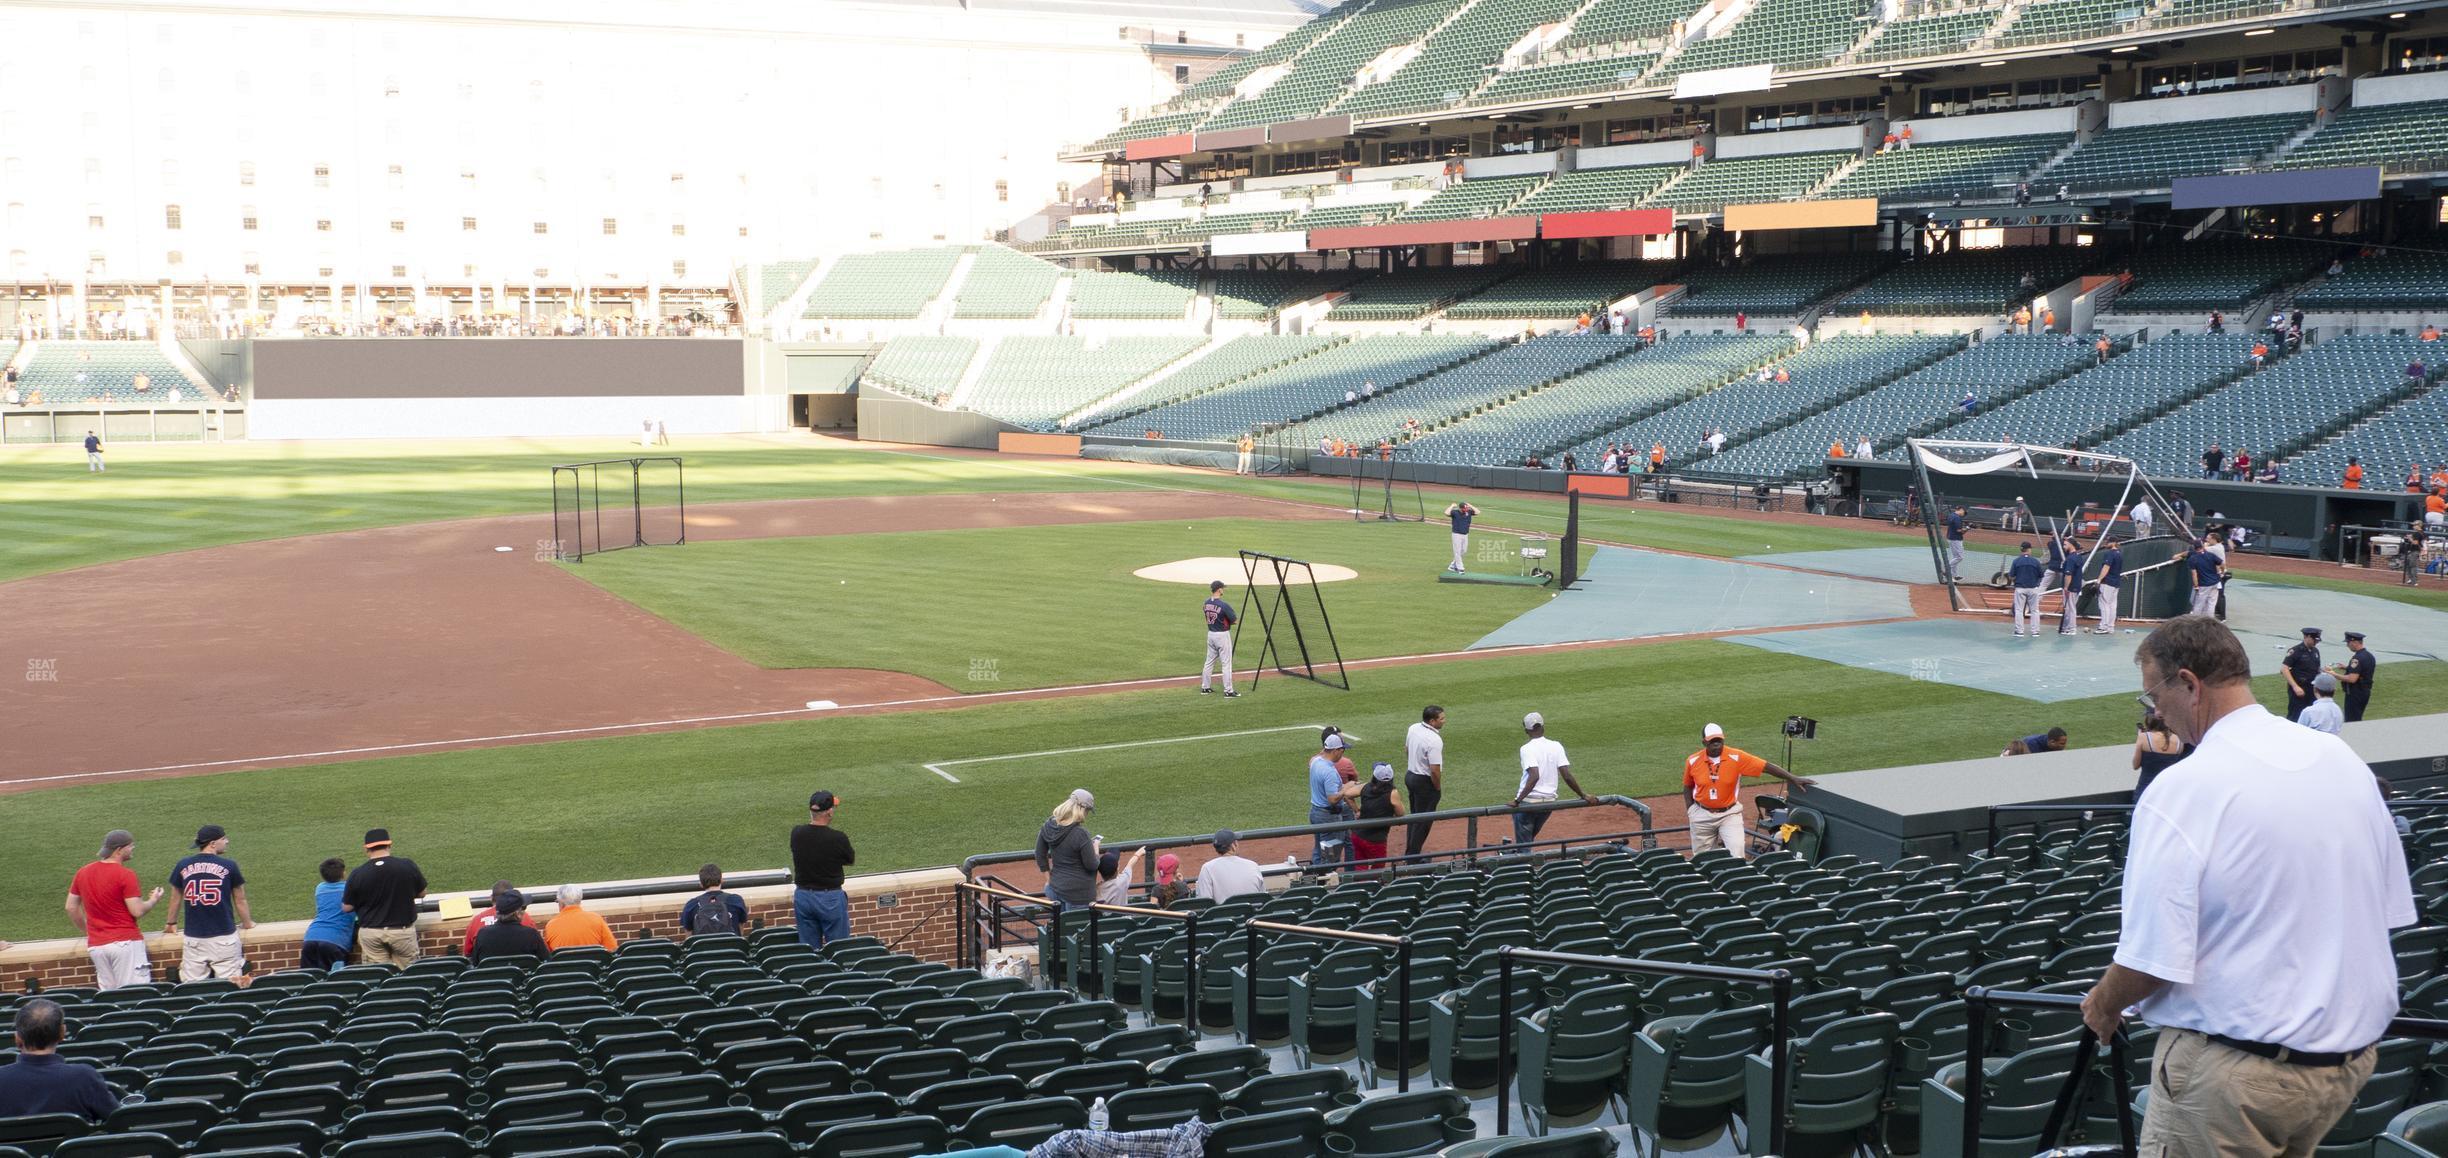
{"x": 1713, "y": 785}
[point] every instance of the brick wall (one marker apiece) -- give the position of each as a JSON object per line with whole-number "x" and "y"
{"x": 912, "y": 911}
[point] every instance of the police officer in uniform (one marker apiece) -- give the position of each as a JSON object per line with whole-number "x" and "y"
{"x": 2302, "y": 665}
{"x": 2356, "y": 674}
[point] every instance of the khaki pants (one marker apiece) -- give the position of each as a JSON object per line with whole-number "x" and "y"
{"x": 120, "y": 963}
{"x": 211, "y": 957}
{"x": 387, "y": 946}
{"x": 1712, "y": 829}
{"x": 2207, "y": 1099}
{"x": 2107, "y": 607}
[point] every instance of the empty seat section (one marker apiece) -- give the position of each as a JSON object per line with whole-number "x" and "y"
{"x": 1601, "y": 398}
{"x": 1772, "y": 286}
{"x": 1484, "y": 197}
{"x": 1303, "y": 388}
{"x": 2408, "y": 137}
{"x": 1034, "y": 379}
{"x": 1969, "y": 169}
{"x": 2281, "y": 409}
{"x": 1253, "y": 294}
{"x": 1791, "y": 34}
{"x": 2072, "y": 20}
{"x": 1747, "y": 181}
{"x": 1822, "y": 374}
{"x": 1930, "y": 34}
{"x": 2131, "y": 387}
{"x": 776, "y": 281}
{"x": 1455, "y": 60}
{"x": 1568, "y": 78}
{"x": 2411, "y": 432}
{"x": 1562, "y": 293}
{"x": 69, "y": 373}
{"x": 1992, "y": 372}
{"x": 1154, "y": 295}
{"x": 922, "y": 366}
{"x": 1322, "y": 73}
{"x": 2195, "y": 277}
{"x": 1465, "y": 389}
{"x": 1231, "y": 362}
{"x": 2395, "y": 280}
{"x": 2149, "y": 156}
{"x": 896, "y": 284}
{"x": 1594, "y": 190}
{"x": 1404, "y": 295}
{"x": 1972, "y": 281}
{"x": 1004, "y": 284}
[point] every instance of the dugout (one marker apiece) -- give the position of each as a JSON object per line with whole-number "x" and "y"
{"x": 2301, "y": 520}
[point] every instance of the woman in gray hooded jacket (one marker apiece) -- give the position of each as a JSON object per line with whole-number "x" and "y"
{"x": 1067, "y": 853}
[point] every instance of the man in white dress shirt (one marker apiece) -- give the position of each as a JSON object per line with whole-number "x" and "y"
{"x": 2261, "y": 882}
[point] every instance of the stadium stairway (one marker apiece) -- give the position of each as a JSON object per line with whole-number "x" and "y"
{"x": 976, "y": 369}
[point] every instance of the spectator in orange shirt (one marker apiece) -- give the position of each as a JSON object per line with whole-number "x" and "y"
{"x": 1905, "y": 135}
{"x": 2430, "y": 333}
{"x": 2435, "y": 507}
{"x": 1657, "y": 457}
{"x": 1888, "y": 143}
{"x": 1711, "y": 803}
{"x": 1836, "y": 449}
{"x": 2439, "y": 478}
{"x": 2260, "y": 352}
{"x": 2354, "y": 475}
{"x": 574, "y": 926}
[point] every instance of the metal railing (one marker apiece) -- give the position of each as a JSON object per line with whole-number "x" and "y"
{"x": 1780, "y": 1019}
{"x": 1978, "y": 1002}
{"x": 1402, "y": 982}
{"x": 1470, "y": 818}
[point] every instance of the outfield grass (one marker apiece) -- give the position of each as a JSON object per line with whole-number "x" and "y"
{"x": 981, "y": 610}
{"x": 663, "y": 804}
{"x": 160, "y": 497}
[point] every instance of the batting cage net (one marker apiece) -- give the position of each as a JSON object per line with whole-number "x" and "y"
{"x": 617, "y": 503}
{"x": 1976, "y": 577}
{"x": 1296, "y": 638}
{"x": 1378, "y": 496}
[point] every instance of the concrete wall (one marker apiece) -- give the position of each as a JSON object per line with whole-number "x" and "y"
{"x": 2399, "y": 89}
{"x": 2301, "y": 98}
{"x": 2023, "y": 123}
{"x": 510, "y": 387}
{"x": 1794, "y": 141}
{"x": 913, "y": 910}
{"x": 884, "y": 416}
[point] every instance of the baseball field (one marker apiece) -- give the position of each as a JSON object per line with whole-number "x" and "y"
{"x": 303, "y": 642}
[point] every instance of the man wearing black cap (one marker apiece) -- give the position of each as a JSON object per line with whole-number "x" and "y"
{"x": 2355, "y": 675}
{"x": 383, "y": 893}
{"x": 509, "y": 935}
{"x": 2301, "y": 665}
{"x": 208, "y": 898}
{"x": 819, "y": 853}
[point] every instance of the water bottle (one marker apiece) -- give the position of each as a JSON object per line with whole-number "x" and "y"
{"x": 1096, "y": 1116}
{"x": 1292, "y": 862}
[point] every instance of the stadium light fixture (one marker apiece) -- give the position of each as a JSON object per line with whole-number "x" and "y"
{"x": 2397, "y": 15}
{"x": 1991, "y": 63}
{"x": 2261, "y": 32}
{"x": 1890, "y": 75}
{"x": 2125, "y": 48}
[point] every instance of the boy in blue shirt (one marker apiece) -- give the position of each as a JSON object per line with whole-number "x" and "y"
{"x": 334, "y": 929}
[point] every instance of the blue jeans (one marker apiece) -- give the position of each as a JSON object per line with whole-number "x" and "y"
{"x": 822, "y": 915}
{"x": 1526, "y": 825}
{"x": 1328, "y": 847}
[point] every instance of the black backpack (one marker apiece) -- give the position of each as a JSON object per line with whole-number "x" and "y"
{"x": 714, "y": 915}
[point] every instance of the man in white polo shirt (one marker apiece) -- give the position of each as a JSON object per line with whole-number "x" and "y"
{"x": 1424, "y": 776}
{"x": 1542, "y": 763}
{"x": 2261, "y": 883}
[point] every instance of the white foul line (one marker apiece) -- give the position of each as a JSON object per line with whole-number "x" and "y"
{"x": 939, "y": 766}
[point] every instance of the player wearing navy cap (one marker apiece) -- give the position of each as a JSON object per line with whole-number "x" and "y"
{"x": 1461, "y": 514}
{"x": 1220, "y": 619}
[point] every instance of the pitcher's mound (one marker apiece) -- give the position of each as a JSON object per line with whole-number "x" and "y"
{"x": 1214, "y": 567}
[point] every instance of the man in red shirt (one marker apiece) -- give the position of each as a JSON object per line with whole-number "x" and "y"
{"x": 1710, "y": 803}
{"x": 105, "y": 899}
{"x": 483, "y": 918}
